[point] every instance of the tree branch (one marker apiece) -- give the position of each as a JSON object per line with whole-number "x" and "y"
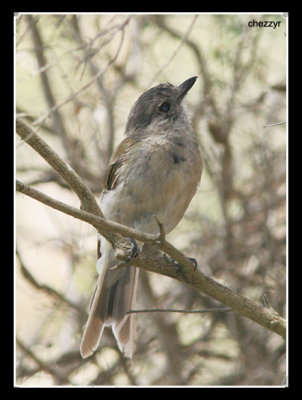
{"x": 94, "y": 220}
{"x": 183, "y": 271}
{"x": 87, "y": 199}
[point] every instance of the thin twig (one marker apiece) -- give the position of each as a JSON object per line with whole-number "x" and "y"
{"x": 204, "y": 310}
{"x": 88, "y": 201}
{"x": 274, "y": 124}
{"x": 162, "y": 234}
{"x": 184, "y": 39}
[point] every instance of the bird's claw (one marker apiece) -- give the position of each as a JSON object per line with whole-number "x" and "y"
{"x": 133, "y": 251}
{"x": 194, "y": 262}
{"x": 171, "y": 260}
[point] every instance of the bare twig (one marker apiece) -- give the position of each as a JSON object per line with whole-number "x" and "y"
{"x": 184, "y": 39}
{"x": 274, "y": 124}
{"x": 87, "y": 199}
{"x": 161, "y": 237}
{"x": 171, "y": 310}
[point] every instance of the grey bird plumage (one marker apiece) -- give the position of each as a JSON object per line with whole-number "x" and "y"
{"x": 155, "y": 170}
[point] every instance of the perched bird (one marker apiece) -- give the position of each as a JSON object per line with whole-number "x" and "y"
{"x": 155, "y": 170}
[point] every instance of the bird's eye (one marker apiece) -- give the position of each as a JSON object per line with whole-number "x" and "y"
{"x": 165, "y": 107}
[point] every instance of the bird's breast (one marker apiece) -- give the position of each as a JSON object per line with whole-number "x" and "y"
{"x": 158, "y": 178}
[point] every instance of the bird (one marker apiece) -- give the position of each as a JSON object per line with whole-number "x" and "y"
{"x": 154, "y": 171}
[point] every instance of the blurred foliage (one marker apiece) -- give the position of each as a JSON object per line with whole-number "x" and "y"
{"x": 76, "y": 79}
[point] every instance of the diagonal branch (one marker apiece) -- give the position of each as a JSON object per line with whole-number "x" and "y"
{"x": 94, "y": 220}
{"x": 87, "y": 199}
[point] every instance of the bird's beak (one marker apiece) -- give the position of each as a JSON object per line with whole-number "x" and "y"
{"x": 185, "y": 87}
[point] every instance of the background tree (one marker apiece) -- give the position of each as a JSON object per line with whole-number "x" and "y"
{"x": 76, "y": 79}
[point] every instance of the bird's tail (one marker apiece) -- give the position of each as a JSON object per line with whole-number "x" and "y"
{"x": 113, "y": 298}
